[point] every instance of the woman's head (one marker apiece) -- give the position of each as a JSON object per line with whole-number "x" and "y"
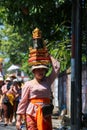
{"x": 39, "y": 71}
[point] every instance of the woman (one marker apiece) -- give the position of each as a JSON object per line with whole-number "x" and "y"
{"x": 1, "y": 97}
{"x": 17, "y": 90}
{"x": 8, "y": 110}
{"x": 9, "y": 94}
{"x": 36, "y": 94}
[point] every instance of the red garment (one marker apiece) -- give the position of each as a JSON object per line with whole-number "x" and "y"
{"x": 39, "y": 122}
{"x": 31, "y": 123}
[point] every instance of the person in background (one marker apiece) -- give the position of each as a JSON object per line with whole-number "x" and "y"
{"x": 1, "y": 96}
{"x": 16, "y": 87}
{"x": 36, "y": 95}
{"x": 8, "y": 101}
{"x": 5, "y": 102}
{"x": 12, "y": 77}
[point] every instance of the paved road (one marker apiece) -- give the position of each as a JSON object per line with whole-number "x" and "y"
{"x": 13, "y": 127}
{"x": 2, "y": 127}
{"x": 54, "y": 123}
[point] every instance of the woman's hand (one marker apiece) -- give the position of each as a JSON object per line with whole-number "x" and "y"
{"x": 18, "y": 122}
{"x": 18, "y": 125}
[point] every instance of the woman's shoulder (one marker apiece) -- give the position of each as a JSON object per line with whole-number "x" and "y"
{"x": 27, "y": 84}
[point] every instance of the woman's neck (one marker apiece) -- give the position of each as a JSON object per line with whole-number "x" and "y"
{"x": 39, "y": 80}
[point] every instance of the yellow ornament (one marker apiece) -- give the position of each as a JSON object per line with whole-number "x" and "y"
{"x": 36, "y": 33}
{"x": 1, "y": 60}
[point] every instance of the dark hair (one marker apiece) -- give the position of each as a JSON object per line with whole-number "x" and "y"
{"x": 9, "y": 85}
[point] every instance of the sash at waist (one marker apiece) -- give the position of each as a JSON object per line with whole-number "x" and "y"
{"x": 40, "y": 100}
{"x": 39, "y": 113}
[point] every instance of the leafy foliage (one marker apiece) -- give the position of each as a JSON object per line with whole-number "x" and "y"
{"x": 30, "y": 14}
{"x": 21, "y": 17}
{"x": 59, "y": 48}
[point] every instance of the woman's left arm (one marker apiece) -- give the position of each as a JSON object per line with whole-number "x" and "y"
{"x": 55, "y": 69}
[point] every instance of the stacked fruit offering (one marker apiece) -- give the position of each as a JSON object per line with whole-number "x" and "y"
{"x": 38, "y": 52}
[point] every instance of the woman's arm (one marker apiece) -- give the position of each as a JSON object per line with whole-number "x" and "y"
{"x": 55, "y": 64}
{"x": 18, "y": 122}
{"x": 22, "y": 106}
{"x": 4, "y": 89}
{"x": 55, "y": 69}
{"x": 24, "y": 99}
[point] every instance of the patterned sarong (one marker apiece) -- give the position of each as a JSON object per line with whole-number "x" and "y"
{"x": 39, "y": 122}
{"x": 31, "y": 123}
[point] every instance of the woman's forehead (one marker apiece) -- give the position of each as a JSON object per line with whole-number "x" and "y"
{"x": 40, "y": 69}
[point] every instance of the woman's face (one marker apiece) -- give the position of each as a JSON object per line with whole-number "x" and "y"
{"x": 39, "y": 73}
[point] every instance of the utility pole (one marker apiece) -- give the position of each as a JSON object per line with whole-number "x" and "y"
{"x": 73, "y": 92}
{"x": 76, "y": 101}
{"x": 78, "y": 63}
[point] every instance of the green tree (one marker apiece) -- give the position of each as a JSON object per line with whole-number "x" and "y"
{"x": 21, "y": 17}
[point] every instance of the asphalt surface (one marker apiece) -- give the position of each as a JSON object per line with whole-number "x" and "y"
{"x": 13, "y": 127}
{"x": 54, "y": 124}
{"x": 2, "y": 127}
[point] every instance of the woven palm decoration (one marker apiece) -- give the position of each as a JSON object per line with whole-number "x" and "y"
{"x": 38, "y": 52}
